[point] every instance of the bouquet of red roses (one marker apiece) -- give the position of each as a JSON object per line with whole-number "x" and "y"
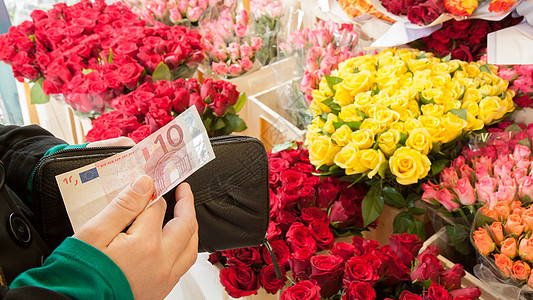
{"x": 305, "y": 212}
{"x": 151, "y": 106}
{"x": 93, "y": 52}
{"x": 364, "y": 270}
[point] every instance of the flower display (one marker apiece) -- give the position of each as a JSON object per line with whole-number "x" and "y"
{"x": 153, "y": 105}
{"x": 520, "y": 79}
{"x": 228, "y": 41}
{"x": 266, "y": 17}
{"x": 173, "y": 12}
{"x": 93, "y": 52}
{"x": 464, "y": 40}
{"x": 306, "y": 213}
{"x": 365, "y": 270}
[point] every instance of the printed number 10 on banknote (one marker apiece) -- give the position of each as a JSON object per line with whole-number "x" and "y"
{"x": 169, "y": 156}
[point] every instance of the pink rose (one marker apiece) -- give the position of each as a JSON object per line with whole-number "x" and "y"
{"x": 485, "y": 188}
{"x": 246, "y": 64}
{"x": 256, "y": 43}
{"x": 465, "y": 191}
{"x": 235, "y": 69}
{"x": 430, "y": 191}
{"x": 526, "y": 187}
{"x": 220, "y": 68}
{"x": 447, "y": 199}
{"x": 448, "y": 177}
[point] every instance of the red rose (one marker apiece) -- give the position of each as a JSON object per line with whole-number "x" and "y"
{"x": 219, "y": 105}
{"x": 273, "y": 231}
{"x": 523, "y": 101}
{"x": 287, "y": 198}
{"x": 313, "y": 214}
{"x": 304, "y": 167}
{"x": 157, "y": 119}
{"x": 239, "y": 281}
{"x": 406, "y": 295}
{"x": 290, "y": 155}
{"x": 326, "y": 271}
{"x": 359, "y": 291}
{"x": 306, "y": 196}
{"x": 281, "y": 251}
{"x": 322, "y": 235}
{"x": 462, "y": 52}
{"x": 406, "y": 246}
{"x": 300, "y": 263}
{"x": 451, "y": 279}
{"x": 424, "y": 13}
{"x": 285, "y": 219}
{"x": 298, "y": 237}
{"x": 140, "y": 133}
{"x": 181, "y": 100}
{"x": 207, "y": 91}
{"x": 129, "y": 74}
{"x": 343, "y": 249}
{"x": 478, "y": 32}
{"x": 304, "y": 290}
{"x": 430, "y": 268}
{"x": 196, "y": 100}
{"x": 345, "y": 213}
{"x": 269, "y": 280}
{"x": 214, "y": 257}
{"x": 359, "y": 270}
{"x": 437, "y": 292}
{"x": 395, "y": 271}
{"x": 468, "y": 293}
{"x": 277, "y": 165}
{"x": 313, "y": 181}
{"x": 327, "y": 194}
{"x": 292, "y": 179}
{"x": 243, "y": 256}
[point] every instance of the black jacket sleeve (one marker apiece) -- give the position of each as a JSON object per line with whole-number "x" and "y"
{"x": 30, "y": 292}
{"x": 20, "y": 150}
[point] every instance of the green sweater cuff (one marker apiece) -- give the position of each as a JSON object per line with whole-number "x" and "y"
{"x": 80, "y": 271}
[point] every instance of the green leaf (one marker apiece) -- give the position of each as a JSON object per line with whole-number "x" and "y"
{"x": 372, "y": 206}
{"x": 162, "y": 72}
{"x": 525, "y": 142}
{"x": 110, "y": 56}
{"x": 392, "y": 197}
{"x": 285, "y": 146}
{"x": 403, "y": 138}
{"x": 438, "y": 166}
{"x": 461, "y": 113}
{"x": 513, "y": 128}
{"x": 87, "y": 71}
{"x": 233, "y": 123}
{"x": 485, "y": 68}
{"x": 382, "y": 171}
{"x": 37, "y": 94}
{"x": 240, "y": 102}
{"x": 416, "y": 211}
{"x": 423, "y": 55}
{"x": 401, "y": 222}
{"x": 332, "y": 81}
{"x": 463, "y": 90}
{"x": 459, "y": 239}
{"x": 417, "y": 228}
{"x": 32, "y": 37}
{"x": 355, "y": 70}
{"x": 354, "y": 125}
{"x": 219, "y": 124}
{"x": 411, "y": 198}
{"x": 447, "y": 57}
{"x": 375, "y": 90}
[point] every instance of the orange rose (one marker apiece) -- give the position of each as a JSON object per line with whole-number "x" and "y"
{"x": 515, "y": 225}
{"x": 504, "y": 263}
{"x": 525, "y": 249}
{"x": 497, "y": 232}
{"x": 491, "y": 213}
{"x": 527, "y": 218}
{"x": 520, "y": 270}
{"x": 502, "y": 210}
{"x": 483, "y": 242}
{"x": 519, "y": 211}
{"x": 509, "y": 247}
{"x": 530, "y": 281}
{"x": 514, "y": 205}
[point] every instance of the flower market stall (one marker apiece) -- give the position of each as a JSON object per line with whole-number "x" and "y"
{"x": 399, "y": 139}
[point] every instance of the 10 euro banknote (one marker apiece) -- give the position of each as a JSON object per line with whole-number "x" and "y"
{"x": 168, "y": 155}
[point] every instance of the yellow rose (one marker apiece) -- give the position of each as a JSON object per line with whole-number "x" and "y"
{"x": 487, "y": 78}
{"x": 432, "y": 110}
{"x": 363, "y": 138}
{"x": 342, "y": 96}
{"x": 434, "y": 127}
{"x": 368, "y": 160}
{"x": 419, "y": 140}
{"x": 460, "y": 74}
{"x": 350, "y": 113}
{"x": 414, "y": 108}
{"x": 440, "y": 68}
{"x": 421, "y": 75}
{"x": 328, "y": 126}
{"x": 385, "y": 60}
{"x": 451, "y": 104}
{"x": 416, "y": 65}
{"x": 371, "y": 124}
{"x": 454, "y": 88}
{"x": 323, "y": 87}
{"x": 385, "y": 116}
{"x": 490, "y": 109}
{"x": 487, "y": 90}
{"x": 323, "y": 151}
{"x": 472, "y": 94}
{"x": 385, "y": 71}
{"x": 409, "y": 165}
{"x": 387, "y": 141}
{"x": 389, "y": 84}
{"x": 362, "y": 100}
{"x": 440, "y": 80}
{"x": 471, "y": 107}
{"x": 411, "y": 123}
{"x": 433, "y": 94}
{"x": 346, "y": 158}
{"x": 449, "y": 94}
{"x": 399, "y": 126}
{"x": 472, "y": 123}
{"x": 311, "y": 135}
{"x": 472, "y": 70}
{"x": 508, "y": 101}
{"x": 453, "y": 64}
{"x": 453, "y": 127}
{"x": 342, "y": 136}
{"x": 358, "y": 83}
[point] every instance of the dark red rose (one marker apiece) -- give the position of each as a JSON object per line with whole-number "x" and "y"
{"x": 274, "y": 205}
{"x": 430, "y": 268}
{"x": 451, "y": 279}
{"x": 304, "y": 167}
{"x": 292, "y": 179}
{"x": 359, "y": 270}
{"x": 140, "y": 133}
{"x": 300, "y": 263}
{"x": 406, "y": 246}
{"x": 306, "y": 196}
{"x": 269, "y": 280}
{"x": 196, "y": 100}
{"x": 281, "y": 251}
{"x": 322, "y": 235}
{"x": 291, "y": 155}
{"x": 181, "y": 100}
{"x": 396, "y": 272}
{"x": 468, "y": 293}
{"x": 285, "y": 219}
{"x": 299, "y": 236}
{"x": 424, "y": 13}
{"x": 345, "y": 213}
{"x": 313, "y": 181}
{"x": 313, "y": 214}
{"x": 129, "y": 74}
{"x": 462, "y": 52}
{"x": 239, "y": 281}
{"x": 343, "y": 249}
{"x": 326, "y": 271}
{"x": 478, "y": 32}
{"x": 273, "y": 179}
{"x": 304, "y": 290}
{"x": 243, "y": 256}
{"x": 273, "y": 231}
{"x": 327, "y": 194}
{"x": 277, "y": 165}
{"x": 287, "y": 198}
{"x": 437, "y": 292}
{"x": 359, "y": 291}
{"x": 407, "y": 295}
{"x": 523, "y": 101}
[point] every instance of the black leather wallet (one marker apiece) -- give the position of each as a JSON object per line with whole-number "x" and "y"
{"x": 231, "y": 193}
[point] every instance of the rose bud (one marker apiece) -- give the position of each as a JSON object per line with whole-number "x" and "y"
{"x": 520, "y": 270}
{"x": 497, "y": 232}
{"x": 508, "y": 247}
{"x": 527, "y": 218}
{"x": 515, "y": 225}
{"x": 468, "y": 293}
{"x": 451, "y": 279}
{"x": 525, "y": 249}
{"x": 504, "y": 263}
{"x": 483, "y": 242}
{"x": 502, "y": 210}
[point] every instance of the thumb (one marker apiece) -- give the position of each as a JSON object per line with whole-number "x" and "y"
{"x": 125, "y": 208}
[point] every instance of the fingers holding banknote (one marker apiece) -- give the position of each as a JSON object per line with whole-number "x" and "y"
{"x": 153, "y": 259}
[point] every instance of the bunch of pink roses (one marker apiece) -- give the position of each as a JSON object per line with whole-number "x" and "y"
{"x": 93, "y": 52}
{"x": 228, "y": 41}
{"x": 323, "y": 48}
{"x": 266, "y": 16}
{"x": 364, "y": 270}
{"x": 520, "y": 79}
{"x": 151, "y": 106}
{"x": 173, "y": 12}
{"x": 304, "y": 211}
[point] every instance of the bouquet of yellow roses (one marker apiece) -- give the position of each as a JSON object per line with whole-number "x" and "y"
{"x": 393, "y": 114}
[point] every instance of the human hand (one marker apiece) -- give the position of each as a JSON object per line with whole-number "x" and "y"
{"x": 118, "y": 141}
{"x": 153, "y": 259}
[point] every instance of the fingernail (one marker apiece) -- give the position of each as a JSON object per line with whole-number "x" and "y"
{"x": 142, "y": 185}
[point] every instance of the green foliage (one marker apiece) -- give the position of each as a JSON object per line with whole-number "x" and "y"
{"x": 461, "y": 113}
{"x": 372, "y": 205}
{"x": 285, "y": 146}
{"x": 240, "y": 102}
{"x": 37, "y": 94}
{"x": 161, "y": 72}
{"x": 332, "y": 81}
